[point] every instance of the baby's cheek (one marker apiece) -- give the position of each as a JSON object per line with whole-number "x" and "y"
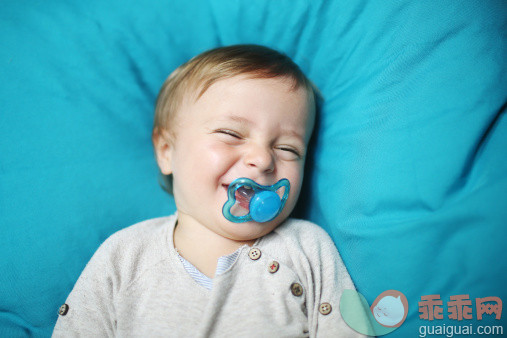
{"x": 219, "y": 155}
{"x": 295, "y": 176}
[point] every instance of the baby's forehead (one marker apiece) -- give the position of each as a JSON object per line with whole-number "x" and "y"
{"x": 224, "y": 93}
{"x": 238, "y": 94}
{"x": 199, "y": 86}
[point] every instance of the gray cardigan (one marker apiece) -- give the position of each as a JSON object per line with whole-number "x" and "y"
{"x": 288, "y": 284}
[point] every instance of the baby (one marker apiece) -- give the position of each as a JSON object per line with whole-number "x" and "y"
{"x": 242, "y": 111}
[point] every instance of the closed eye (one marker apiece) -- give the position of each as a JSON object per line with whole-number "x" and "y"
{"x": 290, "y": 150}
{"x": 229, "y": 132}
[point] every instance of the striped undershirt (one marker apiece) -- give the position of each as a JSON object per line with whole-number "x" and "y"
{"x": 223, "y": 264}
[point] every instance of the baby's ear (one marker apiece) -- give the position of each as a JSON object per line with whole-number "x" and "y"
{"x": 163, "y": 149}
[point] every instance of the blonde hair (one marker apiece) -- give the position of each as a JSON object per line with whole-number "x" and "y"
{"x": 199, "y": 73}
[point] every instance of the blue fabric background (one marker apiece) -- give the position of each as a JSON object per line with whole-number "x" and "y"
{"x": 408, "y": 172}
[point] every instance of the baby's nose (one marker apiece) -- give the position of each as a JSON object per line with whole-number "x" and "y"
{"x": 260, "y": 158}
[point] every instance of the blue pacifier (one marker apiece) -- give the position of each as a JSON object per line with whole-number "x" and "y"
{"x": 248, "y": 200}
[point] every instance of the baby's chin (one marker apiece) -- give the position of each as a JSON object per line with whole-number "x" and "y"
{"x": 250, "y": 231}
{"x": 247, "y": 231}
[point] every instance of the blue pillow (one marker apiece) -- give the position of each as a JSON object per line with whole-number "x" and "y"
{"x": 407, "y": 172}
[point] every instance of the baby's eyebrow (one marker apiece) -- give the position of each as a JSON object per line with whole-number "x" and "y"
{"x": 237, "y": 119}
{"x": 293, "y": 133}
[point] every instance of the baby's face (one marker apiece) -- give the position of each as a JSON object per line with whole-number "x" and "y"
{"x": 240, "y": 127}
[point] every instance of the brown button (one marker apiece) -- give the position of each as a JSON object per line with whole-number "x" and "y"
{"x": 273, "y": 267}
{"x": 63, "y": 310}
{"x": 254, "y": 254}
{"x": 296, "y": 289}
{"x": 325, "y": 308}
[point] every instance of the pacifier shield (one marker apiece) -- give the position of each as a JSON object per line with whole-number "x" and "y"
{"x": 248, "y": 200}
